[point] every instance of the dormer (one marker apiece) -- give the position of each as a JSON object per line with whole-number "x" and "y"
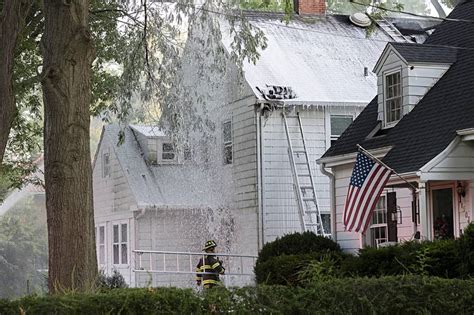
{"x": 157, "y": 147}
{"x": 405, "y": 73}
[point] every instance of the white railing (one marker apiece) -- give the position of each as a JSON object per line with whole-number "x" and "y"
{"x": 184, "y": 263}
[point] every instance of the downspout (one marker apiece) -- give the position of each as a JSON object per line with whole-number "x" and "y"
{"x": 332, "y": 199}
{"x": 259, "y": 175}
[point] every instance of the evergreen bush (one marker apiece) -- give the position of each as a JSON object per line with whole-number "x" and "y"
{"x": 385, "y": 295}
{"x": 298, "y": 243}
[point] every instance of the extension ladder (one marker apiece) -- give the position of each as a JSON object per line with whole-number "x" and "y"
{"x": 391, "y": 31}
{"x": 308, "y": 206}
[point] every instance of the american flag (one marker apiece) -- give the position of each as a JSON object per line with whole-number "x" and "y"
{"x": 367, "y": 183}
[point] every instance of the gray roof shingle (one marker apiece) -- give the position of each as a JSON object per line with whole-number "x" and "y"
{"x": 448, "y": 106}
{"x": 426, "y": 53}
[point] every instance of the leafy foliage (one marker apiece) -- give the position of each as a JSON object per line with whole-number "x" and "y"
{"x": 115, "y": 281}
{"x": 23, "y": 250}
{"x": 387, "y": 295}
{"x": 285, "y": 261}
{"x": 297, "y": 243}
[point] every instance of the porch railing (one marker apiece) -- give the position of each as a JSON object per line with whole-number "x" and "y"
{"x": 184, "y": 263}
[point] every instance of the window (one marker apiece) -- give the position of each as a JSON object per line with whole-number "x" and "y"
{"x": 100, "y": 237}
{"x": 377, "y": 233}
{"x": 120, "y": 244}
{"x": 227, "y": 137}
{"x": 339, "y": 123}
{"x": 393, "y": 98}
{"x": 106, "y": 165}
{"x": 167, "y": 153}
{"x": 187, "y": 153}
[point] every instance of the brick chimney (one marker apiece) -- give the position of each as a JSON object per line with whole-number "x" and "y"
{"x": 310, "y": 7}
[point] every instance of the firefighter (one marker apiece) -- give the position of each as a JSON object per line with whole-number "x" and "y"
{"x": 207, "y": 271}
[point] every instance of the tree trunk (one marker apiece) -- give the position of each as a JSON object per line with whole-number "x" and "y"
{"x": 12, "y": 20}
{"x": 438, "y": 8}
{"x": 68, "y": 54}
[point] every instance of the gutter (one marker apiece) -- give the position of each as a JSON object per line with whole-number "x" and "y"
{"x": 259, "y": 175}
{"x": 332, "y": 199}
{"x": 283, "y": 103}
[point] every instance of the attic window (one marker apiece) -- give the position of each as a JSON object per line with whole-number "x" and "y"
{"x": 106, "y": 165}
{"x": 168, "y": 153}
{"x": 393, "y": 98}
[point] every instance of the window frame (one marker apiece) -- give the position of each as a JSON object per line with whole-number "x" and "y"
{"x": 120, "y": 243}
{"x": 106, "y": 167}
{"x": 335, "y": 137}
{"x": 227, "y": 144}
{"x": 386, "y": 99}
{"x": 370, "y": 242}
{"x": 161, "y": 143}
{"x": 99, "y": 244}
{"x": 172, "y": 151}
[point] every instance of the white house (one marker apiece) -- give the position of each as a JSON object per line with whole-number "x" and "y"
{"x": 236, "y": 184}
{"x": 421, "y": 125}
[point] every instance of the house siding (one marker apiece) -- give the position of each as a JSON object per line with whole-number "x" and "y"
{"x": 458, "y": 164}
{"x": 352, "y": 241}
{"x": 416, "y": 81}
{"x": 279, "y": 201}
{"x": 163, "y": 230}
{"x": 111, "y": 194}
{"x": 113, "y": 201}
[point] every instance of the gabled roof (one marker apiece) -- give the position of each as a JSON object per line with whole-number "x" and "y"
{"x": 165, "y": 186}
{"x": 321, "y": 58}
{"x": 419, "y": 53}
{"x": 431, "y": 125}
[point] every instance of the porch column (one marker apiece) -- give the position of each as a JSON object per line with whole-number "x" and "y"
{"x": 423, "y": 208}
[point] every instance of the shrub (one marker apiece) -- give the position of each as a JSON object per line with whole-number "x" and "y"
{"x": 298, "y": 243}
{"x": 292, "y": 269}
{"x": 391, "y": 260}
{"x": 387, "y": 295}
{"x": 115, "y": 281}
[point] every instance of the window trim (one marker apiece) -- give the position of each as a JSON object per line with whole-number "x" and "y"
{"x": 98, "y": 244}
{"x": 120, "y": 243}
{"x": 173, "y": 151}
{"x": 106, "y": 169}
{"x": 226, "y": 144}
{"x": 388, "y": 124}
{"x": 369, "y": 242}
{"x": 160, "y": 152}
{"x": 331, "y": 136}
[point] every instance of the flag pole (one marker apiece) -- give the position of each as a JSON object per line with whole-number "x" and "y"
{"x": 385, "y": 165}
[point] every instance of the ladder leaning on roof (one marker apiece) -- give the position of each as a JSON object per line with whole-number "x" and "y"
{"x": 391, "y": 30}
{"x": 308, "y": 206}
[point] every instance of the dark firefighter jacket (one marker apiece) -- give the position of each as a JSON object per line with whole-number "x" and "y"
{"x": 207, "y": 272}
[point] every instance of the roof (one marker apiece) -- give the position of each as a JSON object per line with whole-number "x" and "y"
{"x": 165, "y": 186}
{"x": 429, "y": 128}
{"x": 425, "y": 53}
{"x": 148, "y": 131}
{"x": 322, "y": 59}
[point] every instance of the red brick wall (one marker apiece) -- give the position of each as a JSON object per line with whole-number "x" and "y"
{"x": 310, "y": 6}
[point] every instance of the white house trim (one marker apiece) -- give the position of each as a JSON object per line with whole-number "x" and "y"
{"x": 441, "y": 156}
{"x": 385, "y": 54}
{"x": 466, "y": 134}
{"x": 351, "y": 157}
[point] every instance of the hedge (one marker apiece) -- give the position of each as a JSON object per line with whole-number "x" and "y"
{"x": 386, "y": 295}
{"x": 297, "y": 243}
{"x": 280, "y": 261}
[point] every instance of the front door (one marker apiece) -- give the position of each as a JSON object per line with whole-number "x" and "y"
{"x": 443, "y": 214}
